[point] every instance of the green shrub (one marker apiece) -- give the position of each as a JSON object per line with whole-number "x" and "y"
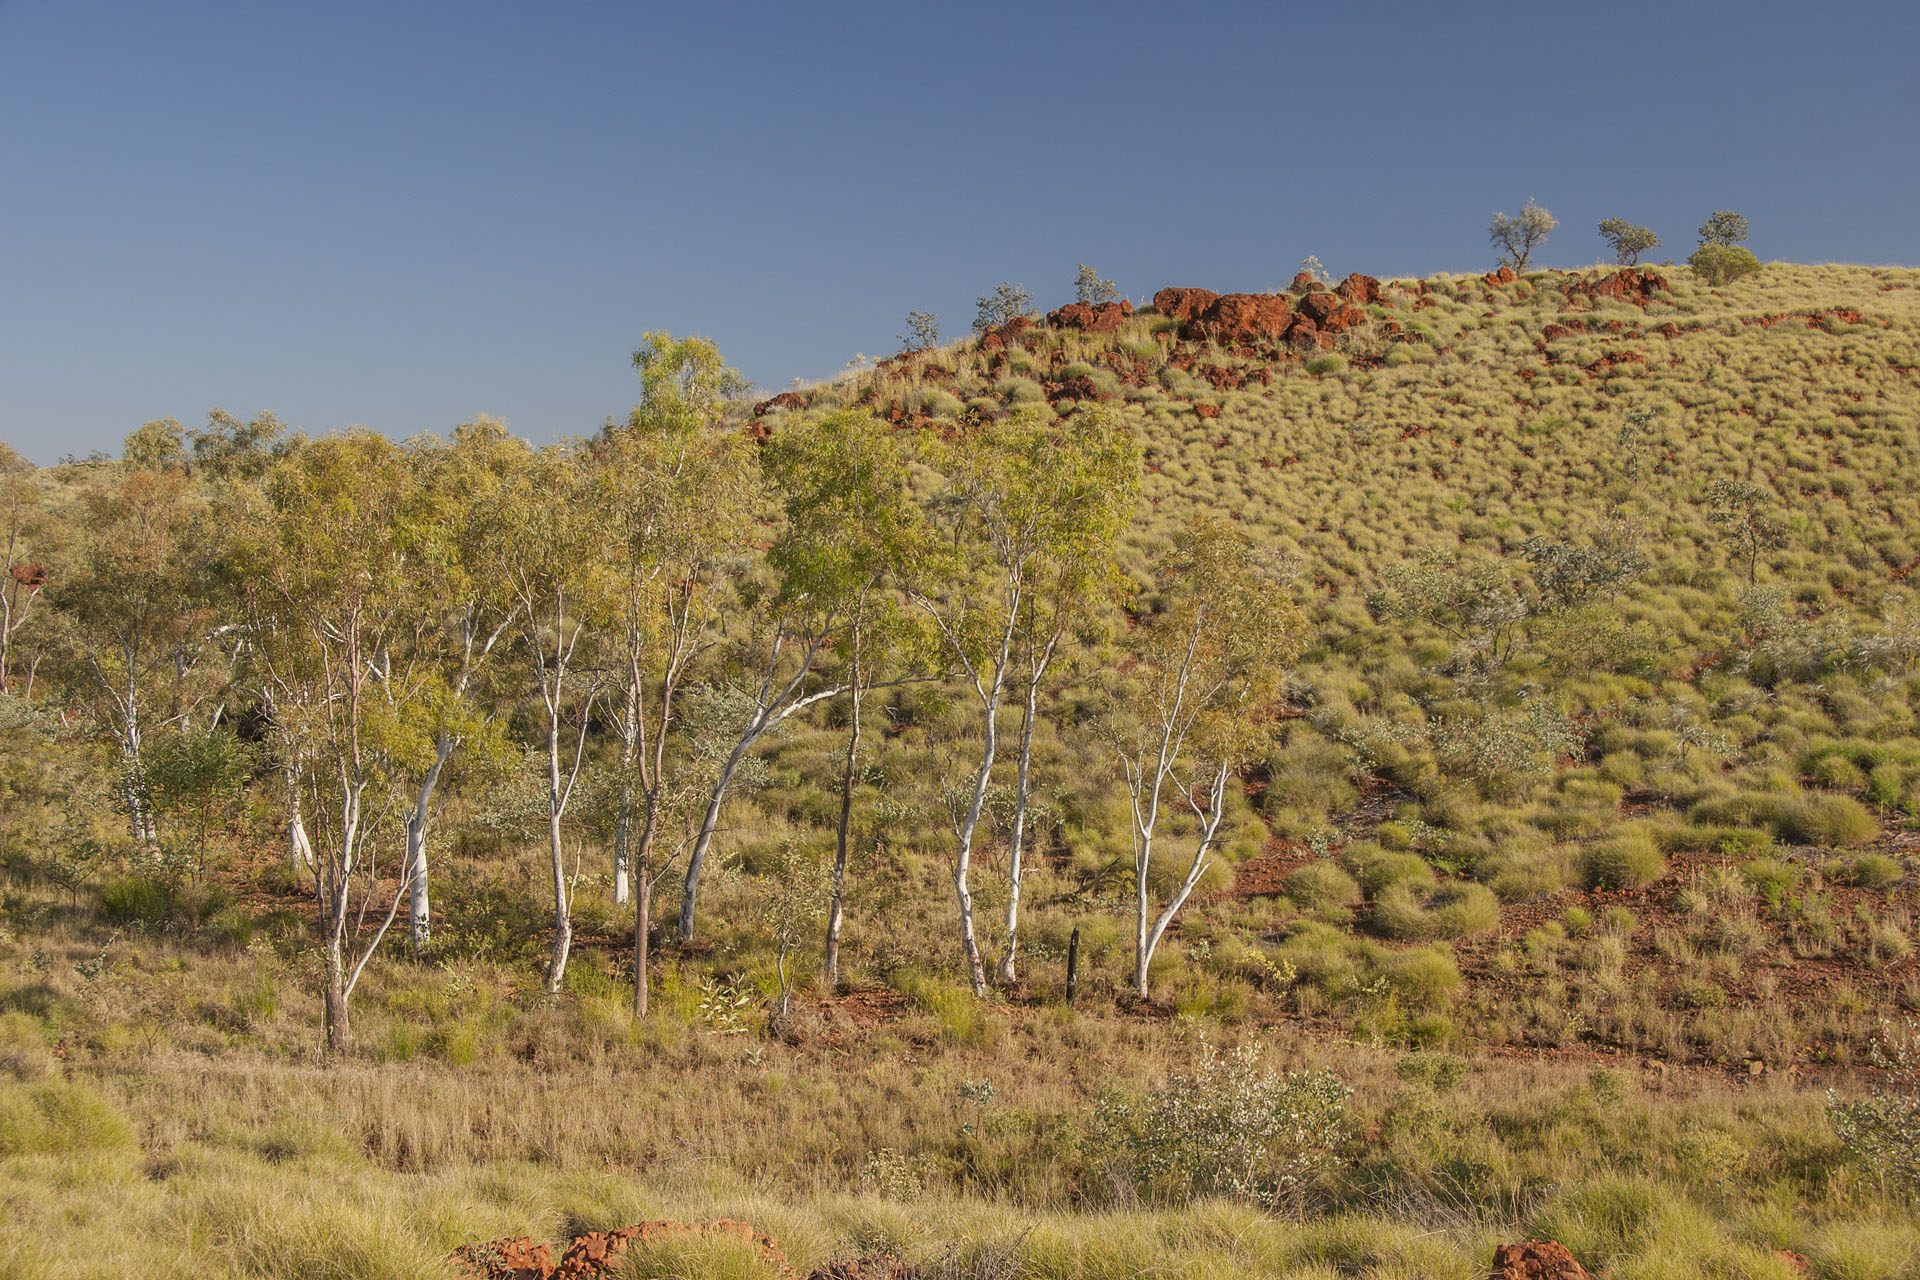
{"x": 1376, "y": 869}
{"x": 1323, "y": 889}
{"x": 1873, "y": 871}
{"x": 1230, "y": 1127}
{"x": 1771, "y": 878}
{"x": 1719, "y": 264}
{"x": 1406, "y": 912}
{"x": 1831, "y": 820}
{"x": 1882, "y": 1130}
{"x": 1630, "y": 858}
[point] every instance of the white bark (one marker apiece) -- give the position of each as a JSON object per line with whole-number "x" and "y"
{"x": 776, "y": 701}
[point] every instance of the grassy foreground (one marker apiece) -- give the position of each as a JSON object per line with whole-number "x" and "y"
{"x": 130, "y": 1151}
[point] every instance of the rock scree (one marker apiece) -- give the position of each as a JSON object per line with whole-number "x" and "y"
{"x": 1535, "y": 1260}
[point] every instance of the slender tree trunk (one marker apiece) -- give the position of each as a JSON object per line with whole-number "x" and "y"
{"x": 1008, "y": 972}
{"x": 299, "y": 847}
{"x": 419, "y": 905}
{"x": 710, "y": 823}
{"x": 562, "y": 916}
{"x": 963, "y": 859}
{"x": 336, "y": 998}
{"x": 643, "y": 909}
{"x": 623, "y": 844}
{"x": 836, "y": 908}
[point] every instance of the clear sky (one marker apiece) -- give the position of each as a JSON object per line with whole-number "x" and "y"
{"x": 401, "y": 215}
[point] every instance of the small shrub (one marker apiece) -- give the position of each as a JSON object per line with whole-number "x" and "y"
{"x": 1882, "y": 1131}
{"x": 1723, "y": 264}
{"x": 1452, "y": 910}
{"x": 1628, "y": 859}
{"x": 1230, "y": 1127}
{"x": 1323, "y": 889}
{"x": 1825, "y": 819}
{"x": 1873, "y": 871}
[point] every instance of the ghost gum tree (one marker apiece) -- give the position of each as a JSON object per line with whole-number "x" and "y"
{"x": 675, "y": 493}
{"x": 324, "y": 567}
{"x": 1201, "y": 680}
{"x": 136, "y": 623}
{"x": 1022, "y": 497}
{"x": 842, "y": 487}
{"x": 547, "y": 556}
{"x": 21, "y": 579}
{"x": 458, "y": 626}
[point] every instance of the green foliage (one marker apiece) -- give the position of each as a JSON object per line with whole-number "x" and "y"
{"x": 1229, "y": 1127}
{"x": 1627, "y": 241}
{"x": 1630, "y": 858}
{"x": 1723, "y": 264}
{"x": 1454, "y": 909}
{"x": 1882, "y": 1130}
{"x": 1722, "y": 228}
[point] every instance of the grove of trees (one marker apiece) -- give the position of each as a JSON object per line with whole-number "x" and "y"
{"x": 350, "y": 629}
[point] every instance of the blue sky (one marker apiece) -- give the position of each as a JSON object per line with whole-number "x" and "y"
{"x": 402, "y": 215}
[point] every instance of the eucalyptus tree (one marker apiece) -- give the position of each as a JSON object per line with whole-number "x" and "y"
{"x": 1202, "y": 678}
{"x": 674, "y": 492}
{"x": 842, "y": 485}
{"x": 135, "y": 626}
{"x": 545, "y": 552}
{"x": 1070, "y": 586}
{"x": 324, "y": 567}
{"x": 1022, "y": 497}
{"x": 21, "y": 579}
{"x": 457, "y": 625}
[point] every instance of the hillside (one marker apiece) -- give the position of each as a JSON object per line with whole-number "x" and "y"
{"x": 1584, "y": 845}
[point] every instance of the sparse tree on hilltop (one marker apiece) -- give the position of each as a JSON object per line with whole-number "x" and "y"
{"x": 1007, "y": 301}
{"x": 1627, "y": 241}
{"x": 1517, "y": 237}
{"x": 1089, "y": 287}
{"x": 923, "y": 332}
{"x": 1722, "y": 228}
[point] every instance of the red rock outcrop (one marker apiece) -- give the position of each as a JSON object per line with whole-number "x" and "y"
{"x": 514, "y": 1258}
{"x": 1093, "y": 317}
{"x": 1317, "y": 306}
{"x": 996, "y": 339}
{"x": 1183, "y": 304}
{"x": 1078, "y": 387}
{"x": 780, "y": 404}
{"x": 1302, "y": 282}
{"x": 598, "y": 1253}
{"x": 1629, "y": 284}
{"x": 1536, "y": 1260}
{"x": 1503, "y": 276}
{"x": 1360, "y": 290}
{"x": 1242, "y": 317}
{"x": 871, "y": 1267}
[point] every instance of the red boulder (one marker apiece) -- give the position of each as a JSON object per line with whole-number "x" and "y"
{"x": 1359, "y": 290}
{"x": 1536, "y": 1260}
{"x": 1183, "y": 304}
{"x": 1242, "y": 317}
{"x": 1093, "y": 317}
